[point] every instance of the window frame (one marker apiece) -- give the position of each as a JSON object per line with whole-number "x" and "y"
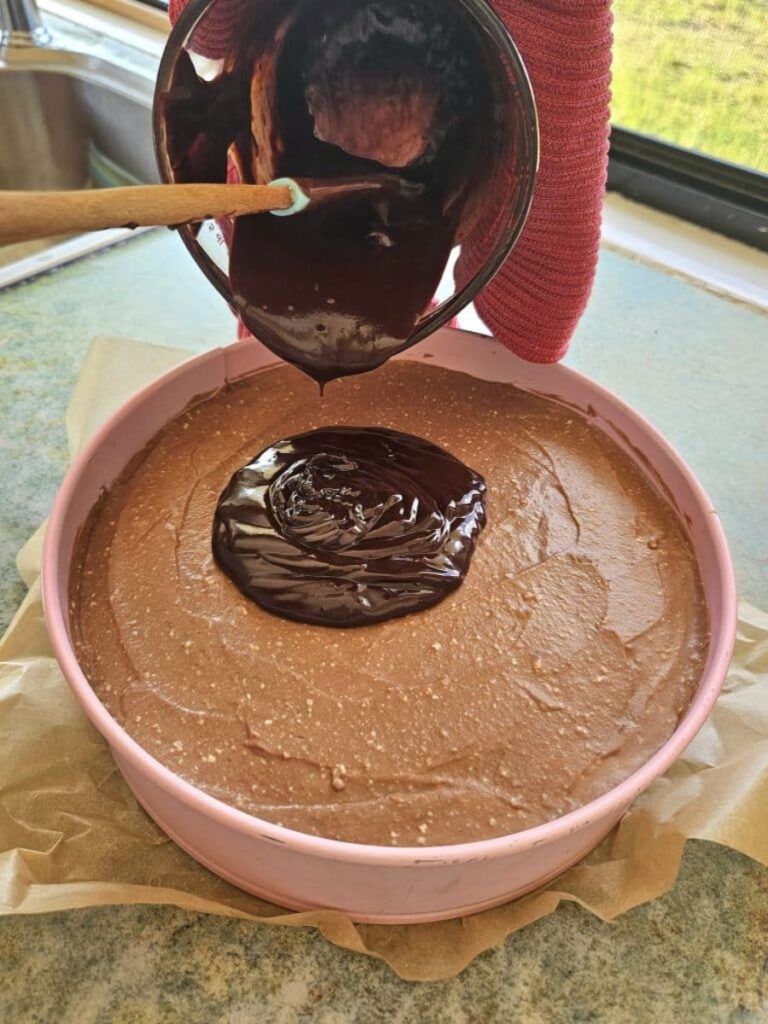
{"x": 723, "y": 197}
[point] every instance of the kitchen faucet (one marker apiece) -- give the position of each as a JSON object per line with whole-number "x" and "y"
{"x": 21, "y": 25}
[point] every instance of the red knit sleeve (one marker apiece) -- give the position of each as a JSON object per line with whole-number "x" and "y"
{"x": 218, "y": 26}
{"x": 534, "y": 303}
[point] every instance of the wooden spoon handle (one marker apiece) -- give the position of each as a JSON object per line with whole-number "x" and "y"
{"x": 28, "y": 215}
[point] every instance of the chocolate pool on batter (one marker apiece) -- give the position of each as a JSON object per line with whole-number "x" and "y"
{"x": 559, "y": 666}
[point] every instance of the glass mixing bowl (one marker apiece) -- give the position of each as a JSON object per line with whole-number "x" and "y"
{"x": 199, "y": 54}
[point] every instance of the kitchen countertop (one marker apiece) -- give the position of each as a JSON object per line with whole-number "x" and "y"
{"x": 696, "y": 365}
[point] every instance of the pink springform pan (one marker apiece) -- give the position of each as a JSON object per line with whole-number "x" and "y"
{"x": 375, "y": 883}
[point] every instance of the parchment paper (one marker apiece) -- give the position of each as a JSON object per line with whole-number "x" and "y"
{"x": 72, "y": 835}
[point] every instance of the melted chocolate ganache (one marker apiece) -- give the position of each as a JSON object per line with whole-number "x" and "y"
{"x": 346, "y": 526}
{"x": 354, "y": 90}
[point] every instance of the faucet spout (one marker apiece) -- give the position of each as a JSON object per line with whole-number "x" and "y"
{"x": 21, "y": 24}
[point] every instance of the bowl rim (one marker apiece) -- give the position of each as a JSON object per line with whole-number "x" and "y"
{"x": 721, "y": 642}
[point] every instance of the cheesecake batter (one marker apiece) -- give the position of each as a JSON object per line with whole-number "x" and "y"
{"x": 557, "y": 668}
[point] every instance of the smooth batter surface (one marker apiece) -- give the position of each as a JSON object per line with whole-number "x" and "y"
{"x": 558, "y": 667}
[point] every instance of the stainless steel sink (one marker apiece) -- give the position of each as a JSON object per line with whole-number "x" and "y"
{"x": 70, "y": 120}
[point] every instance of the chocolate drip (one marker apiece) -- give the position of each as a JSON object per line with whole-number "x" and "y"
{"x": 347, "y": 526}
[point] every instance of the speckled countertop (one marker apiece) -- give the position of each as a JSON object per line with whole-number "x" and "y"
{"x": 697, "y": 366}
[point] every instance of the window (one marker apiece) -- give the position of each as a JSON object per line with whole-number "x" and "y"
{"x": 695, "y": 73}
{"x": 690, "y": 111}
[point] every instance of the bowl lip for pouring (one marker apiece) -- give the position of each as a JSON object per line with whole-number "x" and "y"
{"x": 721, "y": 640}
{"x": 488, "y": 22}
